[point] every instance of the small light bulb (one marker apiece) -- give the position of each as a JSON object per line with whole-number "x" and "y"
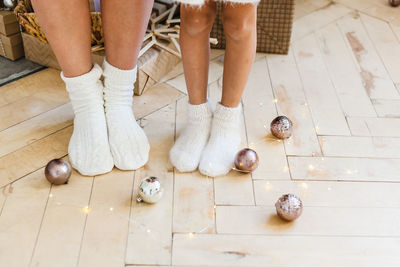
{"x": 86, "y": 209}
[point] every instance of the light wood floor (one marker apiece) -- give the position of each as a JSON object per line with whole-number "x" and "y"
{"x": 340, "y": 85}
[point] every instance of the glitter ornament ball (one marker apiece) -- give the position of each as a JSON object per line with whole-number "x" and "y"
{"x": 150, "y": 190}
{"x": 57, "y": 171}
{"x": 281, "y": 127}
{"x": 289, "y": 207}
{"x": 10, "y": 3}
{"x": 394, "y": 3}
{"x": 246, "y": 160}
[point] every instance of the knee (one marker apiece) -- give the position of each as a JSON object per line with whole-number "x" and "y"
{"x": 196, "y": 20}
{"x": 239, "y": 27}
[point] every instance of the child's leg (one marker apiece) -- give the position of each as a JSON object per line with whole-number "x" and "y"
{"x": 124, "y": 24}
{"x": 240, "y": 30}
{"x": 68, "y": 32}
{"x": 241, "y": 38}
{"x": 196, "y": 23}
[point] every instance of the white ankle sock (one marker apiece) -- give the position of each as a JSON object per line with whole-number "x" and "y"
{"x": 129, "y": 145}
{"x": 219, "y": 154}
{"x": 186, "y": 152}
{"x": 89, "y": 151}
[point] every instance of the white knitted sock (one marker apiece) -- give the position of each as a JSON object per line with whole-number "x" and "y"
{"x": 89, "y": 151}
{"x": 129, "y": 145}
{"x": 219, "y": 154}
{"x": 186, "y": 152}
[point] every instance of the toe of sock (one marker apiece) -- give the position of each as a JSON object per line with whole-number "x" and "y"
{"x": 92, "y": 168}
{"x": 130, "y": 163}
{"x": 214, "y": 169}
{"x": 182, "y": 161}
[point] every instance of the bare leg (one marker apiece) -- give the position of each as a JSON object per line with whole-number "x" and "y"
{"x": 196, "y": 24}
{"x": 241, "y": 38}
{"x": 68, "y": 32}
{"x": 124, "y": 26}
{"x": 240, "y": 31}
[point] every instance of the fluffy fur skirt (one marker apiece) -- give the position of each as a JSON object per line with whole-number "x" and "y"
{"x": 201, "y": 2}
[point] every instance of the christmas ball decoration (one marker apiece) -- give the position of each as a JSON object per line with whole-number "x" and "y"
{"x": 57, "y": 171}
{"x": 281, "y": 127}
{"x": 394, "y": 3}
{"x": 289, "y": 207}
{"x": 150, "y": 190}
{"x": 10, "y": 3}
{"x": 246, "y": 160}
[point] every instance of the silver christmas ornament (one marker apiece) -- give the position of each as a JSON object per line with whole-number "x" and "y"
{"x": 57, "y": 171}
{"x": 281, "y": 127}
{"x": 10, "y": 3}
{"x": 246, "y": 160}
{"x": 289, "y": 207}
{"x": 150, "y": 190}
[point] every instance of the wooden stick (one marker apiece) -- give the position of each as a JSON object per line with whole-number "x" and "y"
{"x": 168, "y": 49}
{"x": 165, "y": 30}
{"x": 172, "y": 13}
{"x": 162, "y": 36}
{"x": 161, "y": 17}
{"x": 176, "y": 44}
{"x": 97, "y": 48}
{"x": 147, "y": 47}
{"x": 173, "y": 35}
{"x": 170, "y": 21}
{"x": 147, "y": 36}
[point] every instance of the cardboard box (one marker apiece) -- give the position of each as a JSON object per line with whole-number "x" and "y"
{"x": 11, "y": 46}
{"x": 152, "y": 66}
{"x": 8, "y": 23}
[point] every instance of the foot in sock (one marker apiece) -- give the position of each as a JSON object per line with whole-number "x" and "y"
{"x": 89, "y": 151}
{"x": 186, "y": 152}
{"x": 129, "y": 145}
{"x": 218, "y": 156}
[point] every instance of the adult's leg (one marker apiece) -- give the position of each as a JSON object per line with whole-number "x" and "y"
{"x": 240, "y": 31}
{"x": 196, "y": 23}
{"x": 68, "y": 32}
{"x": 125, "y": 24}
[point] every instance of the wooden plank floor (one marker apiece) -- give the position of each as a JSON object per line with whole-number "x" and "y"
{"x": 340, "y": 84}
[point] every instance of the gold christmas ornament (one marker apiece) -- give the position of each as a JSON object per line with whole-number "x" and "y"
{"x": 394, "y": 3}
{"x": 246, "y": 160}
{"x": 281, "y": 127}
{"x": 289, "y": 207}
{"x": 57, "y": 171}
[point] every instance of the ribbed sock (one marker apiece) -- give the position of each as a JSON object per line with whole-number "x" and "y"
{"x": 219, "y": 154}
{"x": 129, "y": 145}
{"x": 89, "y": 151}
{"x": 186, "y": 152}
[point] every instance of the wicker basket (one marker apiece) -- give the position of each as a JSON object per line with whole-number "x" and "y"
{"x": 27, "y": 20}
{"x": 274, "y": 26}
